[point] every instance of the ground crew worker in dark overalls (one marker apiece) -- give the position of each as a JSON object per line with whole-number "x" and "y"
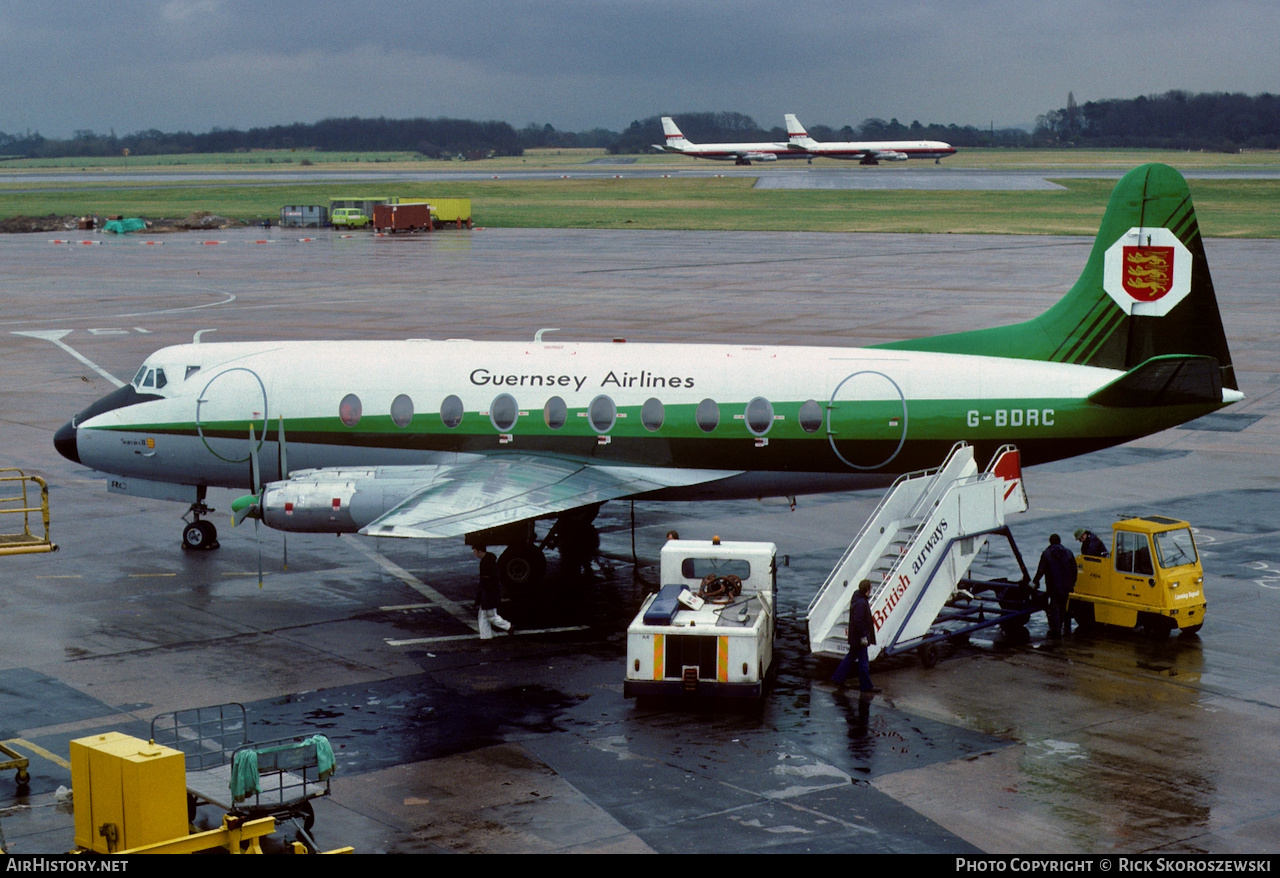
{"x": 1058, "y": 569}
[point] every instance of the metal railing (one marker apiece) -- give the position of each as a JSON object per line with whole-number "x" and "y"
{"x": 20, "y": 503}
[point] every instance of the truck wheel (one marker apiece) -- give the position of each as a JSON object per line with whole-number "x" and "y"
{"x": 1082, "y": 611}
{"x": 1156, "y": 627}
{"x": 1190, "y": 630}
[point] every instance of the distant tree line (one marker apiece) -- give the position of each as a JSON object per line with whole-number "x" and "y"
{"x": 1174, "y": 120}
{"x": 433, "y": 138}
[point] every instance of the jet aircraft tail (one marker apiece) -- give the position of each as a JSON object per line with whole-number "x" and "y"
{"x": 673, "y": 140}
{"x": 1145, "y": 293}
{"x": 795, "y": 131}
{"x": 672, "y": 132}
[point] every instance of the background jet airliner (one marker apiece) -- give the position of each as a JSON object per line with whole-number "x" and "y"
{"x": 739, "y": 153}
{"x": 423, "y": 439}
{"x": 868, "y": 152}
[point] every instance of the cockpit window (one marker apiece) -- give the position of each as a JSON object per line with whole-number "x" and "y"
{"x": 152, "y": 379}
{"x": 191, "y": 370}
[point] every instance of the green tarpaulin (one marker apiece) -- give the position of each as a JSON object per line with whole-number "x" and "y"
{"x": 124, "y": 225}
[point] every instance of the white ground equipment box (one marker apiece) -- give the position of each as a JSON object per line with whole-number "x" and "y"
{"x": 709, "y": 630}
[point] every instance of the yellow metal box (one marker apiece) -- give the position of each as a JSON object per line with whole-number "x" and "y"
{"x": 127, "y": 792}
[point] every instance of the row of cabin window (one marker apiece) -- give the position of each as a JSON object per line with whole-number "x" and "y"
{"x": 602, "y": 413}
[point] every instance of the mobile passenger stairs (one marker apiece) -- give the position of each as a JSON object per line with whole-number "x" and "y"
{"x": 917, "y": 548}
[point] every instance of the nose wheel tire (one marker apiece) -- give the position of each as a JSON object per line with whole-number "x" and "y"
{"x": 199, "y": 536}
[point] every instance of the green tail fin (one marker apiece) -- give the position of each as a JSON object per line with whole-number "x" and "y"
{"x": 1145, "y": 291}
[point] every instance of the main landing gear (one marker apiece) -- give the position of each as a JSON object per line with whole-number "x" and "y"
{"x": 522, "y": 565}
{"x": 199, "y": 534}
{"x": 524, "y": 562}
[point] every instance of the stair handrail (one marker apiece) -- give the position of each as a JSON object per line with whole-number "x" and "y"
{"x": 926, "y": 517}
{"x": 871, "y": 520}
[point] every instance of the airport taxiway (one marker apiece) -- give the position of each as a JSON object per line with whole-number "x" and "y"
{"x": 1098, "y": 744}
{"x": 824, "y": 174}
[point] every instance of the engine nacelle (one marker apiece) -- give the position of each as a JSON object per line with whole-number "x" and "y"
{"x": 760, "y": 157}
{"x": 336, "y": 501}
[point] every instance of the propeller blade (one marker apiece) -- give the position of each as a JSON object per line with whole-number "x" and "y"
{"x": 254, "y": 471}
{"x": 284, "y": 474}
{"x": 284, "y": 453}
{"x": 258, "y": 539}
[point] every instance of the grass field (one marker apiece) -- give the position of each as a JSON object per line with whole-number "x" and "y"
{"x": 1227, "y": 208}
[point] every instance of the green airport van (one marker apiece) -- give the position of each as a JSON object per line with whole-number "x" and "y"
{"x": 349, "y": 218}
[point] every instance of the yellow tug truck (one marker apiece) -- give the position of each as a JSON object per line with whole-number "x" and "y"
{"x": 1151, "y": 580}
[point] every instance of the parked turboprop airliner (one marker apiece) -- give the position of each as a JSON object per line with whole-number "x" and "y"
{"x": 433, "y": 439}
{"x": 868, "y": 152}
{"x": 738, "y": 153}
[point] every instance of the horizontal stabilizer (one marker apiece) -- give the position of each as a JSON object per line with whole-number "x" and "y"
{"x": 1169, "y": 380}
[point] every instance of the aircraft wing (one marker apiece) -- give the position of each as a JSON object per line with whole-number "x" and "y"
{"x": 499, "y": 490}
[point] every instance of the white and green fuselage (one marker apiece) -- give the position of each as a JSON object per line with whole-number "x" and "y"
{"x": 828, "y": 411}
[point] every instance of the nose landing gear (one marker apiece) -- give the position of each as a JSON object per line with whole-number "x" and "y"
{"x": 199, "y": 534}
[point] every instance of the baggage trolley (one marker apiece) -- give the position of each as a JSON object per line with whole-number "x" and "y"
{"x": 214, "y": 740}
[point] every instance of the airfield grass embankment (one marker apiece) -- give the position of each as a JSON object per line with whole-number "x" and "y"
{"x": 1226, "y": 207}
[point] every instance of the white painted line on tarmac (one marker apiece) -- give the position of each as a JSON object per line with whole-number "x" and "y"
{"x": 453, "y": 608}
{"x": 446, "y": 638}
{"x": 55, "y": 336}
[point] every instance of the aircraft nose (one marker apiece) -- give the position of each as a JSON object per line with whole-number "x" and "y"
{"x": 65, "y": 441}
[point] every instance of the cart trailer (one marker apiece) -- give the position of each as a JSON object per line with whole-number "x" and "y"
{"x": 276, "y": 778}
{"x": 709, "y": 630}
{"x": 408, "y": 217}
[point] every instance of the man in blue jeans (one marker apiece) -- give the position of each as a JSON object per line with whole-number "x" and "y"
{"x": 862, "y": 633}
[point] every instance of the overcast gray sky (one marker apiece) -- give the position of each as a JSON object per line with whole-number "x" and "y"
{"x": 578, "y": 64}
